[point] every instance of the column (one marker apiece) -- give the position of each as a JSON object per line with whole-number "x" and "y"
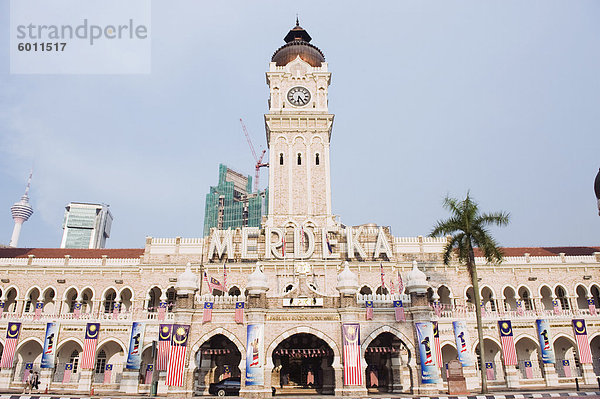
{"x": 6, "y": 376}
{"x": 85, "y": 380}
{"x": 550, "y": 375}
{"x": 512, "y": 377}
{"x": 45, "y": 379}
{"x": 129, "y": 381}
{"x": 589, "y": 377}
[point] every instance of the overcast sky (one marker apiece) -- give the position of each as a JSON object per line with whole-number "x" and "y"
{"x": 430, "y": 98}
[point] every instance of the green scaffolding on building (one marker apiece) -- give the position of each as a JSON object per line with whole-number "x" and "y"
{"x": 232, "y": 203}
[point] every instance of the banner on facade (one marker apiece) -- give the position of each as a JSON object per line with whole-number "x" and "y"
{"x": 255, "y": 340}
{"x": 436, "y": 340}
{"x": 88, "y": 358}
{"x": 461, "y": 335}
{"x": 583, "y": 345}
{"x": 12, "y": 338}
{"x": 164, "y": 346}
{"x": 543, "y": 328}
{"x": 134, "y": 358}
{"x": 179, "y": 342}
{"x": 509, "y": 353}
{"x": 425, "y": 338}
{"x": 49, "y": 353}
{"x": 351, "y": 343}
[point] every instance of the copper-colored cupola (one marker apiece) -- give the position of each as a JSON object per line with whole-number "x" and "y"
{"x": 297, "y": 44}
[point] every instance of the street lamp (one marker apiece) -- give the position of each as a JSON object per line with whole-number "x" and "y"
{"x": 597, "y": 189}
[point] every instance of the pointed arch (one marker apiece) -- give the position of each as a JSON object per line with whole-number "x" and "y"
{"x": 306, "y": 330}
{"x": 397, "y": 333}
{"x": 115, "y": 340}
{"x": 66, "y": 291}
{"x": 66, "y": 341}
{"x": 226, "y": 333}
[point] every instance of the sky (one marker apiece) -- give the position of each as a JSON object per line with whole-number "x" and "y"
{"x": 431, "y": 98}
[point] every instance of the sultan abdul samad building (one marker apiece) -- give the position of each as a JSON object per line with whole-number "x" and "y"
{"x": 311, "y": 305}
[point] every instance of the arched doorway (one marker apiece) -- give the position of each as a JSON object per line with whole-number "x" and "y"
{"x": 302, "y": 364}
{"x": 493, "y": 356}
{"x": 567, "y": 360}
{"x": 529, "y": 358}
{"x": 218, "y": 358}
{"x": 30, "y": 351}
{"x": 595, "y": 347}
{"x": 68, "y": 352}
{"x": 384, "y": 356}
{"x": 449, "y": 353}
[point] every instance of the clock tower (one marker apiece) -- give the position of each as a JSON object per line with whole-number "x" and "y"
{"x": 298, "y": 128}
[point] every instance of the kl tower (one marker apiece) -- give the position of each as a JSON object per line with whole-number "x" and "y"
{"x": 21, "y": 211}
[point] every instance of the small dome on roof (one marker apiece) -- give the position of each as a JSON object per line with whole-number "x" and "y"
{"x": 257, "y": 282}
{"x": 297, "y": 44}
{"x": 187, "y": 282}
{"x": 416, "y": 280}
{"x": 347, "y": 281}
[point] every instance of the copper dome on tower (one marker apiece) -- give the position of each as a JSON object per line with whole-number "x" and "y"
{"x": 297, "y": 44}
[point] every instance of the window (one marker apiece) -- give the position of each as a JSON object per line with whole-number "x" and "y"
{"x": 101, "y": 362}
{"x": 109, "y": 302}
{"x": 72, "y": 302}
{"x": 74, "y": 358}
{"x": 299, "y": 159}
{"x": 316, "y": 158}
{"x": 281, "y": 159}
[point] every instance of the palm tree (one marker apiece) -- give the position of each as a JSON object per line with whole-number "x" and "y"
{"x": 468, "y": 228}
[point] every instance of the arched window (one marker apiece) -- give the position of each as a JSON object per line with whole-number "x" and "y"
{"x": 74, "y": 358}
{"x": 281, "y": 159}
{"x": 299, "y": 159}
{"x": 234, "y": 291}
{"x": 317, "y": 158}
{"x": 101, "y": 362}
{"x": 365, "y": 290}
{"x": 109, "y": 302}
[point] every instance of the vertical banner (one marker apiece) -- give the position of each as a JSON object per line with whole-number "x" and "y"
{"x": 38, "y": 310}
{"x": 149, "y": 371}
{"x": 108, "y": 373}
{"x": 556, "y": 306}
{"x": 489, "y": 371}
{"x": 179, "y": 341}
{"x": 239, "y": 312}
{"x": 369, "y": 307}
{"x": 116, "y": 310}
{"x": 134, "y": 359}
{"x": 543, "y": 328}
{"x": 399, "y": 311}
{"x": 162, "y": 310}
{"x": 436, "y": 341}
{"x": 67, "y": 374}
{"x": 528, "y": 369}
{"x": 49, "y": 353}
{"x": 425, "y": 339}
{"x": 255, "y": 346}
{"x": 461, "y": 335}
{"x": 28, "y": 370}
{"x": 583, "y": 345}
{"x": 164, "y": 346}
{"x": 207, "y": 313}
{"x": 592, "y": 306}
{"x": 77, "y": 310}
{"x": 566, "y": 368}
{"x": 509, "y": 353}
{"x": 351, "y": 342}
{"x": 12, "y": 337}
{"x": 89, "y": 345}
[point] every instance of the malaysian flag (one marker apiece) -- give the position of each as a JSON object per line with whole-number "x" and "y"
{"x": 566, "y": 368}
{"x": 68, "y": 372}
{"x": 400, "y": 283}
{"x": 116, "y": 308}
{"x": 583, "y": 345}
{"x": 592, "y": 306}
{"x": 436, "y": 343}
{"x": 392, "y": 287}
{"x": 239, "y": 312}
{"x": 528, "y": 369}
{"x": 89, "y": 346}
{"x": 382, "y": 278}
{"x": 520, "y": 311}
{"x": 175, "y": 370}
{"x": 556, "y": 306}
{"x": 482, "y": 306}
{"x": 149, "y": 370}
{"x": 508, "y": 344}
{"x": 162, "y": 310}
{"x": 224, "y": 277}
{"x": 328, "y": 244}
{"x": 38, "y": 310}
{"x": 207, "y": 314}
{"x": 1, "y": 308}
{"x": 108, "y": 373}
{"x": 216, "y": 284}
{"x": 164, "y": 345}
{"x": 77, "y": 310}
{"x": 399, "y": 311}
{"x": 226, "y": 372}
{"x": 489, "y": 371}
{"x": 369, "y": 306}
{"x": 352, "y": 356}
{"x": 207, "y": 283}
{"x": 28, "y": 370}
{"x": 12, "y": 337}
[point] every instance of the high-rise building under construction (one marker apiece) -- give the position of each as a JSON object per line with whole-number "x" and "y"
{"x": 231, "y": 203}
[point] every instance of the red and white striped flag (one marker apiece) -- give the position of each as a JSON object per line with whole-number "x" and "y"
{"x": 108, "y": 373}
{"x": 38, "y": 310}
{"x": 520, "y": 311}
{"x": 400, "y": 283}
{"x": 592, "y": 306}
{"x": 583, "y": 345}
{"x": 162, "y": 310}
{"x": 489, "y": 371}
{"x": 509, "y": 352}
{"x": 436, "y": 343}
{"x": 1, "y": 308}
{"x": 382, "y": 277}
{"x": 239, "y": 312}
{"x": 224, "y": 277}
{"x": 528, "y": 370}
{"x": 399, "y": 311}
{"x": 12, "y": 338}
{"x": 28, "y": 369}
{"x": 164, "y": 346}
{"x": 77, "y": 310}
{"x": 556, "y": 306}
{"x": 207, "y": 314}
{"x": 566, "y": 368}
{"x": 149, "y": 370}
{"x": 89, "y": 346}
{"x": 210, "y": 289}
{"x": 116, "y": 308}
{"x": 369, "y": 306}
{"x": 68, "y": 372}
{"x": 179, "y": 341}
{"x": 351, "y": 342}
{"x": 392, "y": 287}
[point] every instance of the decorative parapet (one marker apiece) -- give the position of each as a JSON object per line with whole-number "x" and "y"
{"x": 382, "y": 301}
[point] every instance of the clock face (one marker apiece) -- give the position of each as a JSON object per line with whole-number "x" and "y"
{"x": 298, "y": 96}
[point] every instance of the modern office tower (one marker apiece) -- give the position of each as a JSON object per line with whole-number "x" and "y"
{"x": 232, "y": 203}
{"x": 21, "y": 211}
{"x": 86, "y": 225}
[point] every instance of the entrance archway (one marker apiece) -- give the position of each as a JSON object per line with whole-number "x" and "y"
{"x": 303, "y": 364}
{"x": 216, "y": 359}
{"x": 384, "y": 356}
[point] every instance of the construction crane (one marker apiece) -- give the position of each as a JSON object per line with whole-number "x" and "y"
{"x": 259, "y": 161}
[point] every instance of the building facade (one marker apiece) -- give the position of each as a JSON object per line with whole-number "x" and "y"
{"x": 86, "y": 225}
{"x": 311, "y": 305}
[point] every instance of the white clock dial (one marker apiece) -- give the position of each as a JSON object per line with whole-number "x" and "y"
{"x": 298, "y": 96}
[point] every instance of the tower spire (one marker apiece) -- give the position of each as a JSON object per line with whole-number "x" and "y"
{"x": 21, "y": 212}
